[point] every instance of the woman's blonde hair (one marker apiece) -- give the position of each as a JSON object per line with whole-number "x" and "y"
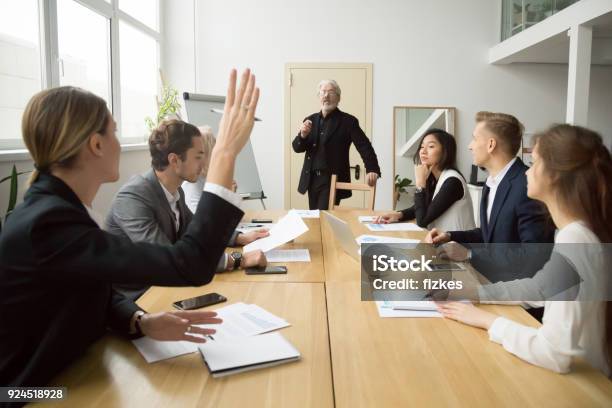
{"x": 57, "y": 122}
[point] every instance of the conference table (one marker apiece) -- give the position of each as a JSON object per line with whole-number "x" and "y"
{"x": 350, "y": 356}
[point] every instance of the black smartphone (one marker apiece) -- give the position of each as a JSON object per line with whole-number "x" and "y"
{"x": 261, "y": 221}
{"x": 199, "y": 301}
{"x": 268, "y": 270}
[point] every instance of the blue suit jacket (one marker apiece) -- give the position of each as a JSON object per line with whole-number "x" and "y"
{"x": 515, "y": 218}
{"x": 521, "y": 225}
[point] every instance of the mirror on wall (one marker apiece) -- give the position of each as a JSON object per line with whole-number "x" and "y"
{"x": 409, "y": 124}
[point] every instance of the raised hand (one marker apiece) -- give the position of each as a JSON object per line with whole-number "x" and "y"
{"x": 234, "y": 129}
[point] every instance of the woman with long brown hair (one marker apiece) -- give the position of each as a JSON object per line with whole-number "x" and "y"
{"x": 571, "y": 175}
{"x": 57, "y": 266}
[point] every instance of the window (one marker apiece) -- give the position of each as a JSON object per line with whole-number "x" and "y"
{"x": 139, "y": 75}
{"x": 145, "y": 11}
{"x": 84, "y": 49}
{"x": 109, "y": 47}
{"x": 20, "y": 65}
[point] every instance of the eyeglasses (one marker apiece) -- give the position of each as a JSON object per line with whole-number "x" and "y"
{"x": 330, "y": 93}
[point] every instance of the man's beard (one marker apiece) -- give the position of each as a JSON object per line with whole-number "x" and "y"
{"x": 328, "y": 107}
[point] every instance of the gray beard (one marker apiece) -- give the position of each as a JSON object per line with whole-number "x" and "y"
{"x": 327, "y": 109}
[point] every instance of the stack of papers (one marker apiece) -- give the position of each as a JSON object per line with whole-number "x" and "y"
{"x": 155, "y": 350}
{"x": 305, "y": 213}
{"x": 286, "y": 229}
{"x": 247, "y": 353}
{"x": 244, "y": 320}
{"x": 399, "y": 226}
{"x": 421, "y": 308}
{"x": 288, "y": 255}
{"x": 239, "y": 320}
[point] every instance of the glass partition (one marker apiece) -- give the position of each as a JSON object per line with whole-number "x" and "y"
{"x": 518, "y": 15}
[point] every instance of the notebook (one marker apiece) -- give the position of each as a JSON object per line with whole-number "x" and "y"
{"x": 246, "y": 354}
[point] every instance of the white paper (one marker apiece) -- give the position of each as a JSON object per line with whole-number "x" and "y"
{"x": 367, "y": 218}
{"x": 414, "y": 305}
{"x": 385, "y": 309}
{"x": 248, "y": 353}
{"x": 244, "y": 320}
{"x": 305, "y": 213}
{"x": 377, "y": 239}
{"x": 398, "y": 226}
{"x": 286, "y": 229}
{"x": 155, "y": 350}
{"x": 288, "y": 255}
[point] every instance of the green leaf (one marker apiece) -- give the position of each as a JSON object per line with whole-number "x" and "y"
{"x": 11, "y": 176}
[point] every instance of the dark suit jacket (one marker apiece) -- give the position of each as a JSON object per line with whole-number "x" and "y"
{"x": 342, "y": 131}
{"x": 56, "y": 271}
{"x": 141, "y": 213}
{"x": 515, "y": 218}
{"x": 518, "y": 239}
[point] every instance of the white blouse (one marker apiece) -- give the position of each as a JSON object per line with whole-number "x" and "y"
{"x": 569, "y": 328}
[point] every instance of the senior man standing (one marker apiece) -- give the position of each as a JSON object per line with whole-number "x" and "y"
{"x": 326, "y": 137}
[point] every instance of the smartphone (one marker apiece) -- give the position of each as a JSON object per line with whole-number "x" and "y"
{"x": 261, "y": 221}
{"x": 268, "y": 270}
{"x": 199, "y": 301}
{"x": 447, "y": 267}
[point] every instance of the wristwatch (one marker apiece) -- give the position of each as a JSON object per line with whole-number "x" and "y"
{"x": 138, "y": 315}
{"x": 237, "y": 257}
{"x": 419, "y": 190}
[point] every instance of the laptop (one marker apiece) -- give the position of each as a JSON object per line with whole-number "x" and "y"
{"x": 343, "y": 234}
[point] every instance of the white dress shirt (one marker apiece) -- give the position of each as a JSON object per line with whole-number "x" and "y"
{"x": 569, "y": 328}
{"x": 493, "y": 183}
{"x": 173, "y": 200}
{"x": 193, "y": 192}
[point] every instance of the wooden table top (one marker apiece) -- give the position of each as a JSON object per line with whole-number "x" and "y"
{"x": 296, "y": 271}
{"x": 432, "y": 361}
{"x": 114, "y": 374}
{"x": 350, "y": 356}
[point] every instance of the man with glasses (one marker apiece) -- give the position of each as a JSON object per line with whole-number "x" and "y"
{"x": 326, "y": 137}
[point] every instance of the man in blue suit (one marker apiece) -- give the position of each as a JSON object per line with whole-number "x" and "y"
{"x": 507, "y": 215}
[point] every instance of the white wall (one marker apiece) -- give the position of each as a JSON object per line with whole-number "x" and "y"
{"x": 424, "y": 53}
{"x": 131, "y": 163}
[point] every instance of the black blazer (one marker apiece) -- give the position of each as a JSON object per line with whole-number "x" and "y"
{"x": 343, "y": 130}
{"x": 57, "y": 267}
{"x": 515, "y": 218}
{"x": 522, "y": 225}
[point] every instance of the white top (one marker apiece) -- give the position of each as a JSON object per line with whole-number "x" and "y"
{"x": 193, "y": 192}
{"x": 570, "y": 328}
{"x": 493, "y": 183}
{"x": 460, "y": 215}
{"x": 173, "y": 200}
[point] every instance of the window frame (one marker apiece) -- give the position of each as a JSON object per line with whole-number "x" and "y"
{"x": 50, "y": 61}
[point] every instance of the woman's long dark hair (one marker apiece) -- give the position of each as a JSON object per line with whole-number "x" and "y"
{"x": 449, "y": 155}
{"x": 580, "y": 167}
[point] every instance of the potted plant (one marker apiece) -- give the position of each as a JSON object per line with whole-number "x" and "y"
{"x": 168, "y": 106}
{"x": 401, "y": 187}
{"x": 12, "y": 192}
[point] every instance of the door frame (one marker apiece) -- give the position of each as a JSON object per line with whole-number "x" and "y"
{"x": 289, "y": 133}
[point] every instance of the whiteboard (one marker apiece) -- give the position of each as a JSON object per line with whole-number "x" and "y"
{"x": 200, "y": 112}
